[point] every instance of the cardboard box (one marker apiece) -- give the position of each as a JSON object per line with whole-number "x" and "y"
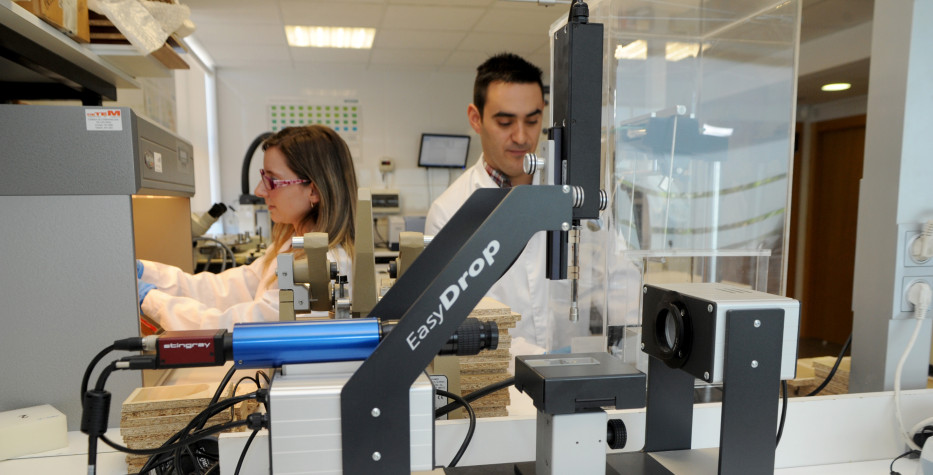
{"x": 69, "y": 16}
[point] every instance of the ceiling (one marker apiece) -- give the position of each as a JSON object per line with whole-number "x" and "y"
{"x": 448, "y": 35}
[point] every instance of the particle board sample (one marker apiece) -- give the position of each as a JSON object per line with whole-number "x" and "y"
{"x": 489, "y": 366}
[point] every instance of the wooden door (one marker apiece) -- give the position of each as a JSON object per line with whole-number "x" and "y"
{"x": 832, "y": 210}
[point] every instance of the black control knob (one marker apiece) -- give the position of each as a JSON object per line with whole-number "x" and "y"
{"x": 615, "y": 434}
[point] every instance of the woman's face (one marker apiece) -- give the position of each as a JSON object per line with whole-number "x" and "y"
{"x": 287, "y": 204}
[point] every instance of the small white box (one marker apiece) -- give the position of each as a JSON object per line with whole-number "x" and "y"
{"x": 396, "y": 226}
{"x": 32, "y": 430}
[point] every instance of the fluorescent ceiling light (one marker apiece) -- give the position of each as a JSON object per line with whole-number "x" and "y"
{"x": 676, "y": 51}
{"x": 673, "y": 50}
{"x": 838, "y": 86}
{"x": 330, "y": 36}
{"x": 714, "y": 131}
{"x": 634, "y": 50}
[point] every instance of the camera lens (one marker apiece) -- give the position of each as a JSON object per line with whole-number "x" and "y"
{"x": 672, "y": 333}
{"x": 670, "y": 330}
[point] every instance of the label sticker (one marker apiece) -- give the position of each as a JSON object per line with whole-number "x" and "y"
{"x": 103, "y": 119}
{"x": 440, "y": 382}
{"x": 157, "y": 162}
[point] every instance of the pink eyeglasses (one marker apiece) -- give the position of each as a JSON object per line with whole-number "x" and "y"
{"x": 271, "y": 183}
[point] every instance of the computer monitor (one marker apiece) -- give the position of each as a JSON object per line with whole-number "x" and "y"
{"x": 443, "y": 150}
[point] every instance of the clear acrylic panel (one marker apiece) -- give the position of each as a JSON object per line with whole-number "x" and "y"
{"x": 698, "y": 119}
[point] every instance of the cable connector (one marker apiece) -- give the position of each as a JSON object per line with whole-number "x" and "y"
{"x": 257, "y": 420}
{"x": 922, "y": 248}
{"x": 129, "y": 344}
{"x": 138, "y": 362}
{"x": 579, "y": 12}
{"x": 150, "y": 342}
{"x": 920, "y": 295}
{"x": 262, "y": 396}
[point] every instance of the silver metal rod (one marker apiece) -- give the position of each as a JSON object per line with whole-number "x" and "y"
{"x": 573, "y": 271}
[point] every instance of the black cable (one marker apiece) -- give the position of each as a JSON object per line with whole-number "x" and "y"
{"x": 223, "y": 384}
{"x": 198, "y": 421}
{"x": 382, "y": 240}
{"x": 210, "y": 411}
{"x": 90, "y": 369}
{"x": 92, "y": 429}
{"x": 264, "y": 376}
{"x": 905, "y": 454}
{"x": 104, "y": 374}
{"x": 91, "y": 455}
{"x": 570, "y": 13}
{"x": 835, "y": 367}
{"x": 220, "y": 390}
{"x": 176, "y": 462}
{"x": 239, "y": 463}
{"x": 244, "y": 378}
{"x": 481, "y": 392}
{"x": 470, "y": 430}
{"x": 783, "y": 411}
{"x": 199, "y": 435}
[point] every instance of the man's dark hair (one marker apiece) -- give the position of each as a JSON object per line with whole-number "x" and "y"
{"x": 505, "y": 67}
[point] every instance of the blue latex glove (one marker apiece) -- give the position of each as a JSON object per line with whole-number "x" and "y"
{"x": 139, "y": 269}
{"x": 144, "y": 288}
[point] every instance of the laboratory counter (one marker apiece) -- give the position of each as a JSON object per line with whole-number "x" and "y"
{"x": 839, "y": 434}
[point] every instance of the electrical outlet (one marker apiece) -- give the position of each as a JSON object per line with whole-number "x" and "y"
{"x": 913, "y": 245}
{"x": 911, "y": 270}
{"x": 906, "y": 306}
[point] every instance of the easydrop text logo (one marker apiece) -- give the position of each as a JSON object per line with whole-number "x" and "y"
{"x": 450, "y": 295}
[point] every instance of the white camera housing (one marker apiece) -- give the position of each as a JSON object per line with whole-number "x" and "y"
{"x": 699, "y": 348}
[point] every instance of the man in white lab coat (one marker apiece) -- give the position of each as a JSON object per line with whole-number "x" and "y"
{"x": 507, "y": 113}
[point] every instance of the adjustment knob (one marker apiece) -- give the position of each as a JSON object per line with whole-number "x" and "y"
{"x": 616, "y": 435}
{"x": 532, "y": 163}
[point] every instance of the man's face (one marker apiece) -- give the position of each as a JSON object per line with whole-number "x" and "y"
{"x": 509, "y": 126}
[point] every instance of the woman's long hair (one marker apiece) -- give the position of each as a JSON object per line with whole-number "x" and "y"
{"x": 317, "y": 153}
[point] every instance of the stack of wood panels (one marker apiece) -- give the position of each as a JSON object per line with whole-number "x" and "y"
{"x": 811, "y": 372}
{"x": 840, "y": 382}
{"x": 151, "y": 415}
{"x": 490, "y": 366}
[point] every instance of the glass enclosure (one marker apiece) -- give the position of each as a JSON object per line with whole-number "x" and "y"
{"x": 697, "y": 141}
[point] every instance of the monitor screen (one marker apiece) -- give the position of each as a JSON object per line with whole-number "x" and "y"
{"x": 442, "y": 150}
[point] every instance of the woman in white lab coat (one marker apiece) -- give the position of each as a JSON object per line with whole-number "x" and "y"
{"x": 309, "y": 184}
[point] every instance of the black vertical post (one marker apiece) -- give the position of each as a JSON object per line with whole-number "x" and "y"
{"x": 669, "y": 410}
{"x": 751, "y": 373}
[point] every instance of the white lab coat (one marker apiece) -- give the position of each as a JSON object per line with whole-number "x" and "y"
{"x": 249, "y": 293}
{"x": 524, "y": 287}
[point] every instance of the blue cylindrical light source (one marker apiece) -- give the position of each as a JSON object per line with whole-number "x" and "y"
{"x": 265, "y": 345}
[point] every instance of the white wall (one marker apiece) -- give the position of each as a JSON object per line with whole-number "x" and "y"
{"x": 397, "y": 106}
{"x": 190, "y": 94}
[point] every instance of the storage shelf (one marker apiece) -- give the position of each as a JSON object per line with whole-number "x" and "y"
{"x": 40, "y": 62}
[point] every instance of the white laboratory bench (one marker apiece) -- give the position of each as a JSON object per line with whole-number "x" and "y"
{"x": 841, "y": 434}
{"x": 73, "y": 460}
